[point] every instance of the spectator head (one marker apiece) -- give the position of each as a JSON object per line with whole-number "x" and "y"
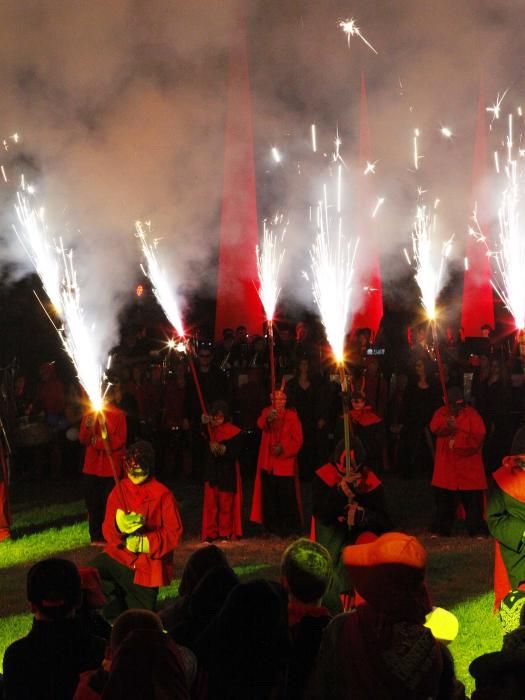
{"x": 306, "y": 570}
{"x": 205, "y": 356}
{"x": 218, "y": 412}
{"x": 389, "y": 574}
{"x": 198, "y": 564}
{"x": 227, "y": 333}
{"x": 54, "y": 589}
{"x": 486, "y": 330}
{"x": 139, "y": 461}
{"x": 456, "y": 399}
{"x": 512, "y": 610}
{"x": 241, "y": 334}
{"x": 132, "y": 620}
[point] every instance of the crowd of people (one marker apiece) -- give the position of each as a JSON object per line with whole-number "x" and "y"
{"x": 352, "y": 614}
{"x": 226, "y": 639}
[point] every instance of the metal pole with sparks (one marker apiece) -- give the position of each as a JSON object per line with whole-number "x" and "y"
{"x": 167, "y": 300}
{"x": 269, "y": 261}
{"x": 332, "y": 264}
{"x": 429, "y": 277}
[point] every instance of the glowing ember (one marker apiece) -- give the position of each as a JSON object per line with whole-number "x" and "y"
{"x": 269, "y": 260}
{"x": 496, "y": 107}
{"x": 350, "y": 28}
{"x": 428, "y": 275}
{"x": 159, "y": 280}
{"x": 276, "y": 155}
{"x": 446, "y": 132}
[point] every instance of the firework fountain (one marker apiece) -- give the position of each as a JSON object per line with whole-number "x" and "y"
{"x": 167, "y": 300}
{"x": 55, "y": 267}
{"x": 269, "y": 260}
{"x": 509, "y": 257}
{"x": 429, "y": 275}
{"x": 332, "y": 266}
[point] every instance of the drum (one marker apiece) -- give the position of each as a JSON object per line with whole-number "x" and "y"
{"x": 33, "y": 434}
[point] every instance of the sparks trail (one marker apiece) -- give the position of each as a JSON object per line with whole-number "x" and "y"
{"x": 508, "y": 259}
{"x": 350, "y": 28}
{"x": 269, "y": 260}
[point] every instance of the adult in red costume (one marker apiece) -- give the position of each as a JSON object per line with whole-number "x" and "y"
{"x": 276, "y": 500}
{"x": 221, "y": 511}
{"x": 97, "y": 470}
{"x": 138, "y": 557}
{"x": 458, "y": 465}
{"x": 506, "y": 520}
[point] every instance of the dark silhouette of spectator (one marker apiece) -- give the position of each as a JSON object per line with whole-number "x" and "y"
{"x": 142, "y": 662}
{"x": 197, "y": 565}
{"x": 381, "y": 650}
{"x": 45, "y": 664}
{"x": 246, "y": 647}
{"x": 306, "y": 573}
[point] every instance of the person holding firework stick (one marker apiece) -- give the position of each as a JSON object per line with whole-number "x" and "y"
{"x": 276, "y": 500}
{"x": 104, "y": 435}
{"x": 346, "y": 504}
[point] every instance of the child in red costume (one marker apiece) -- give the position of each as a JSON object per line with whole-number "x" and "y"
{"x": 141, "y": 535}
{"x": 276, "y": 498}
{"x": 369, "y": 428}
{"x": 221, "y": 512}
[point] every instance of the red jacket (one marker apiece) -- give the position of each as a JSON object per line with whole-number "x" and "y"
{"x": 162, "y": 527}
{"x": 286, "y": 431}
{"x": 459, "y": 464}
{"x": 96, "y": 460}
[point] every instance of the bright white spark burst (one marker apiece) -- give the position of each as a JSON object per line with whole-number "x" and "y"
{"x": 78, "y": 339}
{"x": 509, "y": 258}
{"x": 370, "y": 167}
{"x": 276, "y": 155}
{"x": 54, "y": 265}
{"x": 446, "y": 132}
{"x": 496, "y": 107}
{"x": 35, "y": 240}
{"x": 350, "y": 28}
{"x": 269, "y": 260}
{"x": 159, "y": 280}
{"x": 332, "y": 264}
{"x": 428, "y": 275}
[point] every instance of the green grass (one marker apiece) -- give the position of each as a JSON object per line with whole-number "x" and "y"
{"x": 459, "y": 569}
{"x": 51, "y": 542}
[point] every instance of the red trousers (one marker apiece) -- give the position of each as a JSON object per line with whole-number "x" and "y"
{"x": 218, "y": 515}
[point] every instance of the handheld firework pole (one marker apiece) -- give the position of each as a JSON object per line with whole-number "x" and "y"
{"x": 429, "y": 277}
{"x": 168, "y": 302}
{"x": 269, "y": 261}
{"x": 54, "y": 265}
{"x": 332, "y": 264}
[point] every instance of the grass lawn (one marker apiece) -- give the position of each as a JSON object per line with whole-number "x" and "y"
{"x": 459, "y": 570}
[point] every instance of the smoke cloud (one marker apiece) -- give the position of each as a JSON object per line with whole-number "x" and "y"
{"x": 121, "y": 105}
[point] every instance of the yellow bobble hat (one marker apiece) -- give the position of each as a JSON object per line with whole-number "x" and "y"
{"x": 443, "y": 624}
